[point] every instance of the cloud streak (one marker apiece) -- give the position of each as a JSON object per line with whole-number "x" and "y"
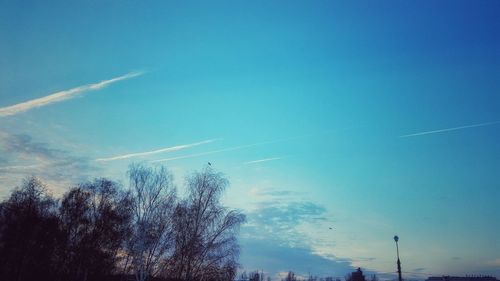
{"x": 22, "y": 156}
{"x": 62, "y": 95}
{"x": 262, "y": 160}
{"x": 161, "y": 150}
{"x": 202, "y": 153}
{"x": 276, "y": 228}
{"x": 18, "y": 167}
{"x": 449, "y": 129}
{"x": 259, "y": 253}
{"x": 212, "y": 152}
{"x": 229, "y": 149}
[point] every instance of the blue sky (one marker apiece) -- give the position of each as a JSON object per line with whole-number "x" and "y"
{"x": 373, "y": 117}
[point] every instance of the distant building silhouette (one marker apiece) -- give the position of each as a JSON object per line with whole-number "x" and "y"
{"x": 466, "y": 278}
{"x": 358, "y": 276}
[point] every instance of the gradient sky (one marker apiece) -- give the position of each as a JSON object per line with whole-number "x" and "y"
{"x": 375, "y": 118}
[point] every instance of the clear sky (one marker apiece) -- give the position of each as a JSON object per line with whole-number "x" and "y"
{"x": 374, "y": 118}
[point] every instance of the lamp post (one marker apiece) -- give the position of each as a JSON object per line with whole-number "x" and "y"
{"x": 396, "y": 238}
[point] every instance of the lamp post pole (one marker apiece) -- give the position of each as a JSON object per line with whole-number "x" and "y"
{"x": 396, "y": 238}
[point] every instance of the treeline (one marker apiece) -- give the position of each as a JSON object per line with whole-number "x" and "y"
{"x": 101, "y": 231}
{"x": 354, "y": 276}
{"x": 291, "y": 276}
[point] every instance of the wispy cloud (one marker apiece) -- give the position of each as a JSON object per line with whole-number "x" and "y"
{"x": 23, "y": 156}
{"x": 161, "y": 150}
{"x": 227, "y": 149}
{"x": 280, "y": 218}
{"x": 276, "y": 228}
{"x": 495, "y": 262}
{"x": 419, "y": 269}
{"x": 18, "y": 167}
{"x": 62, "y": 95}
{"x": 302, "y": 260}
{"x": 262, "y": 160}
{"x": 450, "y": 129}
{"x": 201, "y": 153}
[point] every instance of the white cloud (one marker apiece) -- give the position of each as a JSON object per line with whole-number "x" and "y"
{"x": 161, "y": 150}
{"x": 450, "y": 129}
{"x": 208, "y": 152}
{"x": 18, "y": 167}
{"x": 62, "y": 95}
{"x": 23, "y": 156}
{"x": 225, "y": 149}
{"x": 262, "y": 160}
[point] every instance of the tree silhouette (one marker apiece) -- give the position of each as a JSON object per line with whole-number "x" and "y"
{"x": 255, "y": 276}
{"x": 95, "y": 218}
{"x": 290, "y": 276}
{"x": 29, "y": 234}
{"x": 153, "y": 199}
{"x": 205, "y": 231}
{"x": 100, "y": 232}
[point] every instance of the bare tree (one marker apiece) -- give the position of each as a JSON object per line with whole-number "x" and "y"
{"x": 205, "y": 232}
{"x": 312, "y": 278}
{"x": 98, "y": 228}
{"x": 290, "y": 276}
{"x": 153, "y": 198}
{"x": 95, "y": 218}
{"x": 255, "y": 276}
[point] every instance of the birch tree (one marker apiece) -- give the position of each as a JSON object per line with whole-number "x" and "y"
{"x": 205, "y": 232}
{"x": 153, "y": 198}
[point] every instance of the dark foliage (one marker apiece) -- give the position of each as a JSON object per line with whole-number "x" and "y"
{"x": 29, "y": 234}
{"x": 95, "y": 220}
{"x": 99, "y": 232}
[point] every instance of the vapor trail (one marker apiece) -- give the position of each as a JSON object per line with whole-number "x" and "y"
{"x": 62, "y": 95}
{"x": 18, "y": 167}
{"x": 449, "y": 129}
{"x": 161, "y": 150}
{"x": 206, "y": 153}
{"x": 262, "y": 160}
{"x": 228, "y": 149}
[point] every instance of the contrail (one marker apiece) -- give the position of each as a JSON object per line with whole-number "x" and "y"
{"x": 262, "y": 160}
{"x": 17, "y": 167}
{"x": 224, "y": 150}
{"x": 207, "y": 153}
{"x": 62, "y": 95}
{"x": 449, "y": 129}
{"x": 232, "y": 148}
{"x": 161, "y": 150}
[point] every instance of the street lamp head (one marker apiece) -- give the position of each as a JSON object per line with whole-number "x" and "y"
{"x": 396, "y": 238}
